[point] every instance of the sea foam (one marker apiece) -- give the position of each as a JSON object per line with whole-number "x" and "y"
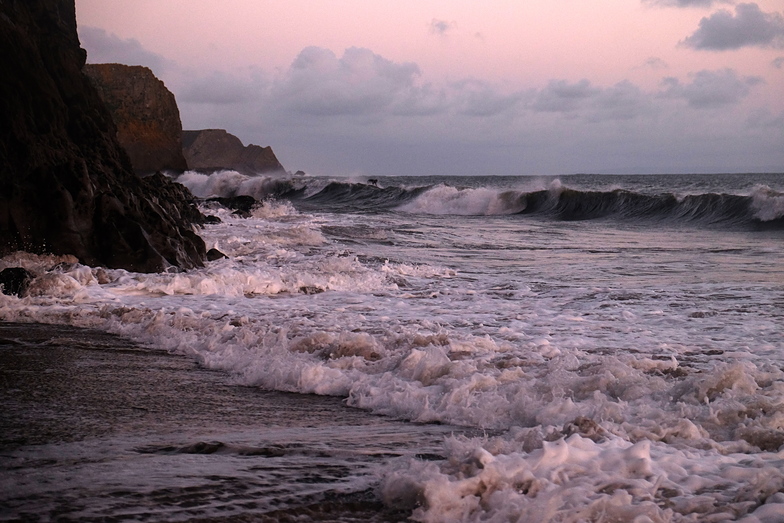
{"x": 615, "y": 381}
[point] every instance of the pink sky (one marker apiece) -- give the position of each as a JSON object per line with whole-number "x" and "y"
{"x": 563, "y": 80}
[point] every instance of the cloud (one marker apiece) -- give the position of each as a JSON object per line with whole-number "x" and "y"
{"x": 655, "y": 62}
{"x": 359, "y": 82}
{"x": 763, "y": 118}
{"x": 220, "y": 88}
{"x": 687, "y": 3}
{"x": 778, "y": 62}
{"x": 623, "y": 101}
{"x": 749, "y": 27}
{"x": 480, "y": 99}
{"x": 711, "y": 89}
{"x": 441, "y": 27}
{"x": 561, "y": 97}
{"x": 103, "y": 47}
{"x": 358, "y": 111}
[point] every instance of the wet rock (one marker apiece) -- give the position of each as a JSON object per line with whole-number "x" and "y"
{"x": 243, "y": 204}
{"x": 15, "y": 280}
{"x": 215, "y": 254}
{"x": 66, "y": 184}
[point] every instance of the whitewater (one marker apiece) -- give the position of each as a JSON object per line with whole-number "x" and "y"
{"x": 613, "y": 345}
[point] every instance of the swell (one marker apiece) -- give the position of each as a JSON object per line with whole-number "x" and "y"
{"x": 354, "y": 197}
{"x": 761, "y": 209}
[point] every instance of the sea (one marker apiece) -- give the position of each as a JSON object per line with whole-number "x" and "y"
{"x": 577, "y": 348}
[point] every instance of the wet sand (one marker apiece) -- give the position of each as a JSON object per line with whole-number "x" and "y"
{"x": 94, "y": 427}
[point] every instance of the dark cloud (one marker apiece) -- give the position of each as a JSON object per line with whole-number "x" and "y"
{"x": 561, "y": 97}
{"x": 778, "y": 62}
{"x": 687, "y": 3}
{"x": 103, "y": 48}
{"x": 750, "y": 26}
{"x": 441, "y": 27}
{"x": 711, "y": 89}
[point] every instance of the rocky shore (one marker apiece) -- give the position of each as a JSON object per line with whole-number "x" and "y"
{"x": 66, "y": 183}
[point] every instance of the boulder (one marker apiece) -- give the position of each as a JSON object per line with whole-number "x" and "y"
{"x": 242, "y": 205}
{"x": 215, "y": 254}
{"x": 66, "y": 184}
{"x": 211, "y": 150}
{"x": 146, "y": 115}
{"x": 15, "y": 280}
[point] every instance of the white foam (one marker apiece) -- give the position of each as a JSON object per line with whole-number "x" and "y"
{"x": 767, "y": 204}
{"x": 613, "y": 394}
{"x": 576, "y": 479}
{"x": 444, "y": 199}
{"x": 230, "y": 183}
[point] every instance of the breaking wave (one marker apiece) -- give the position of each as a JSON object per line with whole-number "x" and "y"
{"x": 762, "y": 207}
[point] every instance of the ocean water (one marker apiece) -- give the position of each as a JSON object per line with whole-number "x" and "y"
{"x": 613, "y": 345}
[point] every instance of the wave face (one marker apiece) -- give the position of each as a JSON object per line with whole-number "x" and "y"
{"x": 352, "y": 197}
{"x": 761, "y": 208}
{"x": 765, "y": 206}
{"x": 758, "y": 207}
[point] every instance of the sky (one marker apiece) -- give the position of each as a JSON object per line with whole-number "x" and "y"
{"x": 467, "y": 87}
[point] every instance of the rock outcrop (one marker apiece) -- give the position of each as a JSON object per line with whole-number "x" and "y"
{"x": 66, "y": 184}
{"x": 145, "y": 113}
{"x": 210, "y": 150}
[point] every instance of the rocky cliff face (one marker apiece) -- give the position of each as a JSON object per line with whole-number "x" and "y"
{"x": 66, "y": 184}
{"x": 215, "y": 149}
{"x": 146, "y": 115}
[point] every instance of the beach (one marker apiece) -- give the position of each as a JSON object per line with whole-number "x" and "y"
{"x": 95, "y": 428}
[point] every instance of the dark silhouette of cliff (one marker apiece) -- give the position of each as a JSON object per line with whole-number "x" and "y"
{"x": 145, "y": 113}
{"x": 215, "y": 149}
{"x": 66, "y": 184}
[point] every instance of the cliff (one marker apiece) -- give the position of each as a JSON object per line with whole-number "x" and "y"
{"x": 215, "y": 150}
{"x": 66, "y": 184}
{"x": 145, "y": 113}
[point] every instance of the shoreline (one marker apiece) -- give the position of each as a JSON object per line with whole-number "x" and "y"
{"x": 94, "y": 426}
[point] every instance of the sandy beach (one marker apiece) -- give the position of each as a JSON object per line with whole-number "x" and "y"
{"x": 93, "y": 427}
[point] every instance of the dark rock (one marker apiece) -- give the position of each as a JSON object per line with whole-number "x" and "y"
{"x": 212, "y": 219}
{"x": 181, "y": 202}
{"x": 146, "y": 115}
{"x": 215, "y": 254}
{"x": 242, "y": 203}
{"x": 15, "y": 280}
{"x": 66, "y": 184}
{"x": 215, "y": 150}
